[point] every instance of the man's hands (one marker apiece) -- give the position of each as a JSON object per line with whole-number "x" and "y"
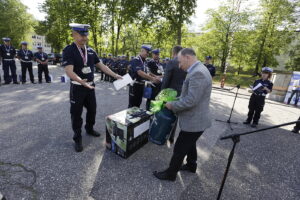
{"x": 118, "y": 77}
{"x": 155, "y": 79}
{"x": 169, "y": 106}
{"x": 85, "y": 84}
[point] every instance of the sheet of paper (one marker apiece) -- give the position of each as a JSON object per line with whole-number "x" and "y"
{"x": 118, "y": 84}
{"x": 256, "y": 87}
{"x": 142, "y": 128}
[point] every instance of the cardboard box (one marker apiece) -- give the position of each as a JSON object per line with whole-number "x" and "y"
{"x": 127, "y": 131}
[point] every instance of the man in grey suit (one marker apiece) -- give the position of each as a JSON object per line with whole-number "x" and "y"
{"x": 173, "y": 78}
{"x": 193, "y": 112}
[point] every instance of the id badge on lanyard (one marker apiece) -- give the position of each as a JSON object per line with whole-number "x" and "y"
{"x": 7, "y": 51}
{"x": 26, "y": 57}
{"x": 42, "y": 55}
{"x": 86, "y": 69}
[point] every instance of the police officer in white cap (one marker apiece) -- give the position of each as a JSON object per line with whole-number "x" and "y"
{"x": 138, "y": 72}
{"x": 25, "y": 56}
{"x": 8, "y": 53}
{"x": 79, "y": 62}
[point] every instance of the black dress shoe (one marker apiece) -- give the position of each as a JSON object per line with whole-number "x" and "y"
{"x": 23, "y": 82}
{"x": 164, "y": 176}
{"x": 246, "y": 122}
{"x": 188, "y": 168}
{"x": 295, "y": 131}
{"x": 78, "y": 146}
{"x": 254, "y": 125}
{"x": 93, "y": 133}
{"x": 6, "y": 83}
{"x": 33, "y": 82}
{"x": 17, "y": 83}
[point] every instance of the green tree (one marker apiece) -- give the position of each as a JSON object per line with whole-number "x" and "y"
{"x": 222, "y": 25}
{"x": 15, "y": 22}
{"x": 273, "y": 31}
{"x": 177, "y": 12}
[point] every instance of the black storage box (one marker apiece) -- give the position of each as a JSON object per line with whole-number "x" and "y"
{"x": 127, "y": 131}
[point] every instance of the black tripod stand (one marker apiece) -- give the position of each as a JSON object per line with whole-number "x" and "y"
{"x": 236, "y": 138}
{"x": 228, "y": 121}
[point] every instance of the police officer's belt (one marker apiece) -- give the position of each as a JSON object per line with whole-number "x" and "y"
{"x": 76, "y": 83}
{"x": 25, "y": 61}
{"x": 8, "y": 59}
{"x": 140, "y": 83}
{"x": 260, "y": 94}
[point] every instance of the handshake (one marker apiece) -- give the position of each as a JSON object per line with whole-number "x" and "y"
{"x": 156, "y": 79}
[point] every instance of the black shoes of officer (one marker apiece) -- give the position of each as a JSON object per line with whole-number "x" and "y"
{"x": 246, "y": 122}
{"x": 17, "y": 83}
{"x": 164, "y": 176}
{"x": 93, "y": 133}
{"x": 254, "y": 125}
{"x": 295, "y": 131}
{"x": 189, "y": 168}
{"x": 78, "y": 146}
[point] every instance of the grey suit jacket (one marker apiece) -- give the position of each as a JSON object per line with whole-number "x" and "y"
{"x": 192, "y": 107}
{"x": 174, "y": 76}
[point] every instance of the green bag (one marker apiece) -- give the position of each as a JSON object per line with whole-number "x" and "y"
{"x": 166, "y": 95}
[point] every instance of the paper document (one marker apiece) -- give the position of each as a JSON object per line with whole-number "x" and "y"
{"x": 118, "y": 84}
{"x": 256, "y": 87}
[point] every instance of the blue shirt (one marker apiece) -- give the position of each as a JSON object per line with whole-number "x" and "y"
{"x": 41, "y": 56}
{"x": 265, "y": 83}
{"x": 72, "y": 56}
{"x": 192, "y": 66}
{"x": 25, "y": 55}
{"x": 136, "y": 65}
{"x": 7, "y": 52}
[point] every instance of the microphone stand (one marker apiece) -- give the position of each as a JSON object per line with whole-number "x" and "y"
{"x": 236, "y": 139}
{"x": 228, "y": 121}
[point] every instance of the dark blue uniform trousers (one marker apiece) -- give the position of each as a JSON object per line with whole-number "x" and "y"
{"x": 80, "y": 97}
{"x": 9, "y": 64}
{"x": 256, "y": 106}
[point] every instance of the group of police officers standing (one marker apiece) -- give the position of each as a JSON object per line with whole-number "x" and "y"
{"x": 8, "y": 54}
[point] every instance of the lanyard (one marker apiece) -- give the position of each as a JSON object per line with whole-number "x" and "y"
{"x": 7, "y": 50}
{"x": 24, "y": 52}
{"x": 83, "y": 56}
{"x": 42, "y": 55}
{"x": 144, "y": 68}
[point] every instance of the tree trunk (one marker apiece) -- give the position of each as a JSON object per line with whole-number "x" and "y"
{"x": 261, "y": 48}
{"x": 180, "y": 22}
{"x": 117, "y": 39}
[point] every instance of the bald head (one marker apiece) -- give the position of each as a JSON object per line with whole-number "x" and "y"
{"x": 186, "y": 57}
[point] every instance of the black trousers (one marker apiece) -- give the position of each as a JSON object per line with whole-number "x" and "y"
{"x": 41, "y": 69}
{"x": 27, "y": 66}
{"x": 297, "y": 92}
{"x": 9, "y": 65}
{"x": 102, "y": 75}
{"x": 185, "y": 146}
{"x": 135, "y": 95}
{"x": 172, "y": 134}
{"x": 155, "y": 91}
{"x": 80, "y": 97}
{"x": 256, "y": 106}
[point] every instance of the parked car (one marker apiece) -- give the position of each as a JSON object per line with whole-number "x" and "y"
{"x": 54, "y": 58}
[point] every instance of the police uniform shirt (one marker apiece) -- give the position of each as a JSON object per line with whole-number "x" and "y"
{"x": 72, "y": 56}
{"x": 7, "y": 52}
{"x": 41, "y": 56}
{"x": 137, "y": 64}
{"x": 104, "y": 60}
{"x": 25, "y": 55}
{"x": 154, "y": 68}
{"x": 211, "y": 69}
{"x": 265, "y": 83}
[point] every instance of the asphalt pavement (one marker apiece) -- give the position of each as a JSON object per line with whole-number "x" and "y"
{"x": 37, "y": 159}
